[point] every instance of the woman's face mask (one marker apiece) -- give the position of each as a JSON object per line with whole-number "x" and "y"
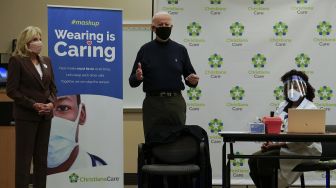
{"x": 293, "y": 95}
{"x": 35, "y": 46}
{"x": 62, "y": 139}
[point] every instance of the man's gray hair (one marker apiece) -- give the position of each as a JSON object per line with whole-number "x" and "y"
{"x": 159, "y": 14}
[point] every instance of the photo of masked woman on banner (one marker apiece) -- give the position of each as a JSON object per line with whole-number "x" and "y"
{"x": 65, "y": 152}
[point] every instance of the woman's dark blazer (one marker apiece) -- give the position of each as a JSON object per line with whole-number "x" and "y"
{"x": 25, "y": 86}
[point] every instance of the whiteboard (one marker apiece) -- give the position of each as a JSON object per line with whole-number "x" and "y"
{"x": 134, "y": 36}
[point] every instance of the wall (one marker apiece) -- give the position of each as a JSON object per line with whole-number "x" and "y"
{"x": 7, "y": 162}
{"x": 15, "y": 15}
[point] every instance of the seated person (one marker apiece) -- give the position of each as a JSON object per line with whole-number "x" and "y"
{"x": 299, "y": 94}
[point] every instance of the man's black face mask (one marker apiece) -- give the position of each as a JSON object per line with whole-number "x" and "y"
{"x": 163, "y": 32}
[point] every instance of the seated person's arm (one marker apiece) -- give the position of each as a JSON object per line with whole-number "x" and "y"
{"x": 271, "y": 145}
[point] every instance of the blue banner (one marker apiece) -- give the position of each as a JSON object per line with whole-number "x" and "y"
{"x": 86, "y": 136}
{"x": 86, "y": 47}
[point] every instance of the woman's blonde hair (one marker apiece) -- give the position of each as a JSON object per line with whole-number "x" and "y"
{"x": 24, "y": 38}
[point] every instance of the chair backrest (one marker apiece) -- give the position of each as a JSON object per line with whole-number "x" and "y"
{"x": 328, "y": 148}
{"x": 184, "y": 149}
{"x": 330, "y": 128}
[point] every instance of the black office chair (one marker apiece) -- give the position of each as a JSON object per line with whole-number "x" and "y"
{"x": 328, "y": 149}
{"x": 183, "y": 158}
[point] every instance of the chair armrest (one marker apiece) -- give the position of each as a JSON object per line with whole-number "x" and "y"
{"x": 140, "y": 148}
{"x": 202, "y": 163}
{"x": 202, "y": 151}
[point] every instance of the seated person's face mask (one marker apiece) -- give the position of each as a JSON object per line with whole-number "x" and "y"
{"x": 62, "y": 139}
{"x": 296, "y": 88}
{"x": 294, "y": 95}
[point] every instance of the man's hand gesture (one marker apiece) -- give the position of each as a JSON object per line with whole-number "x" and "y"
{"x": 138, "y": 73}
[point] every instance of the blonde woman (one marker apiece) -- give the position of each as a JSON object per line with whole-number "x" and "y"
{"x": 31, "y": 85}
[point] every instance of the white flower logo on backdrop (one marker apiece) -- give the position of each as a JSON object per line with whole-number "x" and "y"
{"x": 325, "y": 95}
{"x": 194, "y": 95}
{"x": 215, "y": 62}
{"x": 194, "y": 30}
{"x": 259, "y": 61}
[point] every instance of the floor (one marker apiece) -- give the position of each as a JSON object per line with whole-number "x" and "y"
{"x": 135, "y": 186}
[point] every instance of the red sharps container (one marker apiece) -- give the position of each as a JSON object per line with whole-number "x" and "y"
{"x": 272, "y": 124}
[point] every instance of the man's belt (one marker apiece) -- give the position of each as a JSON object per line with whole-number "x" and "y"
{"x": 163, "y": 93}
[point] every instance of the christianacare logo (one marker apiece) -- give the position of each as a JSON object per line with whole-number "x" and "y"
{"x": 278, "y": 93}
{"x": 237, "y": 93}
{"x": 302, "y": 7}
{"x": 301, "y": 1}
{"x": 325, "y": 93}
{"x": 216, "y": 125}
{"x": 73, "y": 178}
{"x": 302, "y": 60}
{"x": 215, "y": 61}
{"x": 194, "y": 29}
{"x": 324, "y": 28}
{"x": 258, "y": 8}
{"x": 172, "y": 2}
{"x": 237, "y": 29}
{"x": 280, "y": 29}
{"x": 258, "y": 2}
{"x": 258, "y": 61}
{"x": 194, "y": 94}
{"x": 238, "y": 162}
{"x": 215, "y": 2}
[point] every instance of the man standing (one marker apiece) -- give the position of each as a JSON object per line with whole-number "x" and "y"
{"x": 160, "y": 65}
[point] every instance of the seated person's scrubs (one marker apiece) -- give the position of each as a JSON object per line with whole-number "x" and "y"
{"x": 285, "y": 176}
